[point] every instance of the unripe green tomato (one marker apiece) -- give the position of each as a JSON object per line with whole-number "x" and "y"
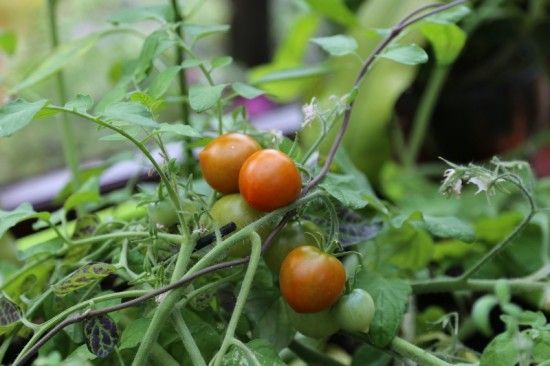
{"x": 233, "y": 208}
{"x": 163, "y": 213}
{"x": 315, "y": 325}
{"x": 354, "y": 312}
{"x": 292, "y": 236}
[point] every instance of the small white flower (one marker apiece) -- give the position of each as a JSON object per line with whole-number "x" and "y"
{"x": 482, "y": 183}
{"x": 309, "y": 111}
{"x": 457, "y": 187}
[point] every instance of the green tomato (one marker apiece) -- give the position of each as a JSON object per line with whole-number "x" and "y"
{"x": 233, "y": 208}
{"x": 315, "y": 325}
{"x": 163, "y": 213}
{"x": 292, "y": 236}
{"x": 354, "y": 311}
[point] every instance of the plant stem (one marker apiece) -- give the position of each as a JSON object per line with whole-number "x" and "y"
{"x": 162, "y": 357}
{"x": 187, "y": 338}
{"x": 517, "y": 285}
{"x": 241, "y": 298}
{"x": 424, "y": 112}
{"x": 179, "y": 60}
{"x": 67, "y": 132}
{"x": 166, "y": 306}
{"x": 311, "y": 356}
{"x": 416, "y": 354}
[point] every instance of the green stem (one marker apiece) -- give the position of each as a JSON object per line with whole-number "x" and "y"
{"x": 179, "y": 60}
{"x": 424, "y": 112}
{"x": 416, "y": 354}
{"x": 67, "y": 132}
{"x": 187, "y": 338}
{"x": 208, "y": 286}
{"x": 241, "y": 298}
{"x": 311, "y": 356}
{"x": 162, "y": 357}
{"x": 166, "y": 306}
{"x": 517, "y": 285}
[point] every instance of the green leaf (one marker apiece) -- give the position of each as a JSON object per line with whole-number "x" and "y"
{"x": 494, "y": 229}
{"x": 449, "y": 228}
{"x": 8, "y": 219}
{"x": 409, "y": 54}
{"x": 137, "y": 14}
{"x": 501, "y": 351}
{"x": 178, "y": 129}
{"x": 61, "y": 56}
{"x": 150, "y": 49}
{"x": 82, "y": 277}
{"x": 345, "y": 189}
{"x": 198, "y": 31}
{"x": 246, "y": 91}
{"x": 8, "y": 42}
{"x": 146, "y": 100}
{"x": 481, "y": 311}
{"x": 447, "y": 40}
{"x": 221, "y": 62}
{"x": 191, "y": 62}
{"x": 368, "y": 355}
{"x": 264, "y": 353}
{"x": 541, "y": 345}
{"x": 9, "y": 312}
{"x": 294, "y": 73}
{"x": 101, "y": 335}
{"x": 49, "y": 246}
{"x": 129, "y": 113}
{"x": 17, "y": 114}
{"x": 390, "y": 297}
{"x": 266, "y": 310}
{"x": 451, "y": 15}
{"x": 204, "y": 97}
{"x": 162, "y": 81}
{"x": 132, "y": 335}
{"x": 335, "y": 10}
{"x": 82, "y": 103}
{"x": 412, "y": 248}
{"x": 87, "y": 193}
{"x": 338, "y": 45}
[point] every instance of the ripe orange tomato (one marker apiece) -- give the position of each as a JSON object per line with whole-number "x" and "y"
{"x": 222, "y": 159}
{"x": 269, "y": 180}
{"x": 311, "y": 280}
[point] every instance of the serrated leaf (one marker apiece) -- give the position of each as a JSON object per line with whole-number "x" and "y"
{"x": 541, "y": 346}
{"x": 390, "y": 297}
{"x": 82, "y": 277}
{"x": 162, "y": 81}
{"x": 178, "y": 129}
{"x": 449, "y": 228}
{"x": 8, "y": 42}
{"x": 17, "y": 114}
{"x": 23, "y": 212}
{"x": 9, "y": 312}
{"x": 61, "y": 56}
{"x": 246, "y": 91}
{"x": 129, "y": 113}
{"x": 408, "y": 54}
{"x": 447, "y": 40}
{"x": 501, "y": 351}
{"x": 101, "y": 335}
{"x": 204, "y": 97}
{"x": 338, "y": 45}
{"x": 149, "y": 51}
{"x": 345, "y": 189}
{"x": 221, "y": 62}
{"x": 81, "y": 103}
{"x": 262, "y": 350}
{"x": 132, "y": 335}
{"x": 146, "y": 100}
{"x": 198, "y": 31}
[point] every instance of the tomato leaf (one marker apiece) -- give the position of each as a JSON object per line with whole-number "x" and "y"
{"x": 101, "y": 335}
{"x": 129, "y": 113}
{"x": 8, "y": 219}
{"x": 501, "y": 351}
{"x": 447, "y": 40}
{"x": 162, "y": 81}
{"x": 344, "y": 188}
{"x": 390, "y": 297}
{"x": 83, "y": 277}
{"x": 137, "y": 14}
{"x": 246, "y": 91}
{"x": 178, "y": 129}
{"x": 264, "y": 353}
{"x": 335, "y": 10}
{"x": 133, "y": 333}
{"x": 449, "y": 228}
{"x": 17, "y": 114}
{"x": 81, "y": 103}
{"x": 338, "y": 45}
{"x": 204, "y": 97}
{"x": 408, "y": 54}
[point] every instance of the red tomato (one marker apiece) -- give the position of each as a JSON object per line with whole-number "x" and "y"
{"x": 311, "y": 280}
{"x": 222, "y": 159}
{"x": 269, "y": 180}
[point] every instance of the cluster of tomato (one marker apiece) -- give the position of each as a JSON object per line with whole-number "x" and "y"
{"x": 255, "y": 181}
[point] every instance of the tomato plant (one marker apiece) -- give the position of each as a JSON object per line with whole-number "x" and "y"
{"x": 162, "y": 213}
{"x": 354, "y": 311}
{"x": 221, "y": 160}
{"x": 269, "y": 180}
{"x": 311, "y": 280}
